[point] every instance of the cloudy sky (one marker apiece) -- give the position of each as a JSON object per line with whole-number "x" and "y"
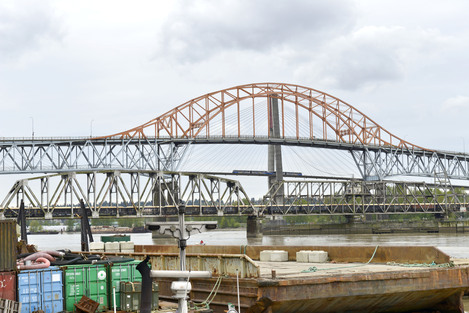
{"x": 70, "y": 68}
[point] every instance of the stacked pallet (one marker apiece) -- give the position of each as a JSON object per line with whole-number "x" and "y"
{"x": 9, "y": 306}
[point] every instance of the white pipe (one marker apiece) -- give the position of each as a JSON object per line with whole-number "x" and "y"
{"x": 237, "y": 286}
{"x": 181, "y": 274}
{"x": 114, "y": 295}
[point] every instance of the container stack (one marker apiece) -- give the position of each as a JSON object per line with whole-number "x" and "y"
{"x": 98, "y": 282}
{"x": 8, "y": 241}
{"x": 8, "y": 285}
{"x": 130, "y": 296}
{"x": 122, "y": 272}
{"x": 41, "y": 289}
{"x": 38, "y": 286}
{"x": 86, "y": 280}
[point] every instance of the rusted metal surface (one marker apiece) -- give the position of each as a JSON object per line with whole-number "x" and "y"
{"x": 357, "y": 290}
{"x": 379, "y": 292}
{"x": 8, "y": 285}
{"x": 226, "y": 293}
{"x": 218, "y": 264}
{"x": 8, "y": 241}
{"x": 384, "y": 254}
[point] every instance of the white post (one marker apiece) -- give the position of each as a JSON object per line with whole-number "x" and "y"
{"x": 114, "y": 296}
{"x": 237, "y": 286}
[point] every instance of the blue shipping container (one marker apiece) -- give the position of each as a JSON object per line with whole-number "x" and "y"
{"x": 41, "y": 290}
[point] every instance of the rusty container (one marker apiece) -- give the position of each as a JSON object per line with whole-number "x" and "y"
{"x": 8, "y": 285}
{"x": 8, "y": 241}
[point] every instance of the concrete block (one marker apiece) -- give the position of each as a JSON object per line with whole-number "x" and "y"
{"x": 264, "y": 256}
{"x": 279, "y": 256}
{"x": 96, "y": 246}
{"x": 112, "y": 246}
{"x": 318, "y": 257}
{"x": 303, "y": 256}
{"x": 273, "y": 256}
{"x": 126, "y": 246}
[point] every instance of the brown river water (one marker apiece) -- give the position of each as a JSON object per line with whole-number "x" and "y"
{"x": 456, "y": 245}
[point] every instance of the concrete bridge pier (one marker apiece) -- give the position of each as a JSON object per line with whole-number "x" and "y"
{"x": 275, "y": 154}
{"x": 254, "y": 227}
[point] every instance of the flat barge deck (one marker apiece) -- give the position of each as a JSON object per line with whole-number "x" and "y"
{"x": 356, "y": 279}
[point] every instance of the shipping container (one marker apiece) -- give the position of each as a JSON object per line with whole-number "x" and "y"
{"x": 115, "y": 238}
{"x": 86, "y": 280}
{"x": 41, "y": 289}
{"x": 8, "y": 285}
{"x": 121, "y": 272}
{"x": 131, "y": 293}
{"x": 8, "y": 241}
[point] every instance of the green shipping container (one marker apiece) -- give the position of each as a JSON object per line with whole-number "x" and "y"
{"x": 121, "y": 272}
{"x": 86, "y": 280}
{"x": 115, "y": 238}
{"x": 131, "y": 293}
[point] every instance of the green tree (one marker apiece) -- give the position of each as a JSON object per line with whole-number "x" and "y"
{"x": 35, "y": 226}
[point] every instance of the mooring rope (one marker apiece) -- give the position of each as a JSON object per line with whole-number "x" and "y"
{"x": 433, "y": 264}
{"x": 206, "y": 303}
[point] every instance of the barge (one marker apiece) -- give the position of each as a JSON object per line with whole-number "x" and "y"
{"x": 356, "y": 279}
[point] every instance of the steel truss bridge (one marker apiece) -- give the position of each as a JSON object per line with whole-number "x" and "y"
{"x": 153, "y": 194}
{"x": 239, "y": 115}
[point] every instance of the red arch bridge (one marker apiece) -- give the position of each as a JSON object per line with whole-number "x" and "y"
{"x": 138, "y": 172}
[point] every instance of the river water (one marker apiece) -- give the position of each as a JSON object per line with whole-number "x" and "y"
{"x": 456, "y": 245}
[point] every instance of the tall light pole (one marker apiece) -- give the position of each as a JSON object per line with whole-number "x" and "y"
{"x": 32, "y": 126}
{"x": 91, "y": 128}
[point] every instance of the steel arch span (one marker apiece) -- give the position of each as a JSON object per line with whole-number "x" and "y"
{"x": 239, "y": 115}
{"x": 312, "y": 115}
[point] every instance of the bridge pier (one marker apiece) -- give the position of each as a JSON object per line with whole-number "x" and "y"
{"x": 275, "y": 153}
{"x": 254, "y": 227}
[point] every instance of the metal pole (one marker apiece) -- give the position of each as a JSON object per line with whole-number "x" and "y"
{"x": 182, "y": 238}
{"x": 32, "y": 126}
{"x": 237, "y": 287}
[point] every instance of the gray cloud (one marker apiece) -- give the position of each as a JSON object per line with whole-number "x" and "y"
{"x": 372, "y": 55}
{"x": 24, "y": 27}
{"x": 200, "y": 29}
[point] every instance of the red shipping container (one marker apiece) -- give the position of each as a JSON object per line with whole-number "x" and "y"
{"x": 8, "y": 285}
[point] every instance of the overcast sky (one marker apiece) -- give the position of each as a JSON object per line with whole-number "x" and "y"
{"x": 76, "y": 67}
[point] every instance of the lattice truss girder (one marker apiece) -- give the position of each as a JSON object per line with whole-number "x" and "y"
{"x": 383, "y": 163}
{"x": 356, "y": 197}
{"x": 54, "y": 157}
{"x": 133, "y": 193}
{"x": 312, "y": 114}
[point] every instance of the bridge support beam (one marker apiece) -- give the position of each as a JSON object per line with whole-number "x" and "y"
{"x": 275, "y": 152}
{"x": 254, "y": 227}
